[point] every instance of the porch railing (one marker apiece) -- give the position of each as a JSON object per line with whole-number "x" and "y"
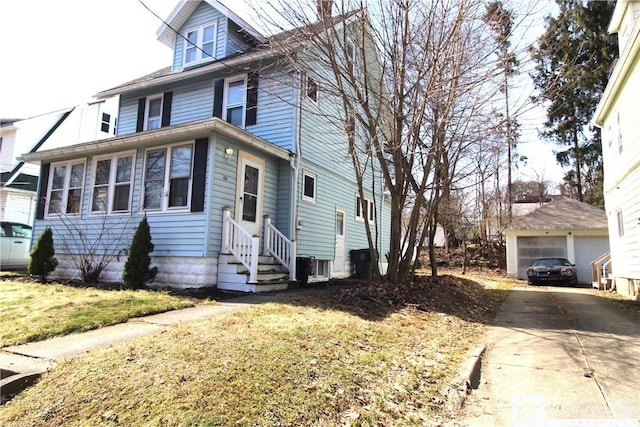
{"x": 279, "y": 247}
{"x": 241, "y": 244}
{"x": 601, "y": 270}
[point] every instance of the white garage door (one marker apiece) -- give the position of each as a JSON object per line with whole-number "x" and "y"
{"x": 530, "y": 248}
{"x": 588, "y": 248}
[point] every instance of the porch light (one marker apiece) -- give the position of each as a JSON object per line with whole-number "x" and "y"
{"x": 228, "y": 152}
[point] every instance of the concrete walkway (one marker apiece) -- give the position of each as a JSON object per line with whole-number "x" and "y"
{"x": 558, "y": 357}
{"x": 21, "y": 365}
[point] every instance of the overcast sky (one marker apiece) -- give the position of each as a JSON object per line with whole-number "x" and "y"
{"x": 59, "y": 53}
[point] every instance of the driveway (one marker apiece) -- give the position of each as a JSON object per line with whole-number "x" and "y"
{"x": 558, "y": 356}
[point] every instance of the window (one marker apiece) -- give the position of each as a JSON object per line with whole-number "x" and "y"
{"x": 363, "y": 208}
{"x": 167, "y": 177}
{"x": 199, "y": 44}
{"x": 311, "y": 89}
{"x": 619, "y": 135}
{"x": 153, "y": 113}
{"x": 112, "y": 183}
{"x": 105, "y": 123}
{"x": 65, "y": 188}
{"x": 309, "y": 187}
{"x": 620, "y": 224}
{"x": 235, "y": 93}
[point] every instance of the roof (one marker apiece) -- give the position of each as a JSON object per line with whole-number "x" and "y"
{"x": 20, "y": 181}
{"x": 563, "y": 213}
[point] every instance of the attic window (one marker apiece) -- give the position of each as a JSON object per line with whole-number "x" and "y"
{"x": 199, "y": 44}
{"x": 105, "y": 123}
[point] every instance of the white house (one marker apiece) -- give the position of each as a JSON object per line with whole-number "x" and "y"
{"x": 617, "y": 116}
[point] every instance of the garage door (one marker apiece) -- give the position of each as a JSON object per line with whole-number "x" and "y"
{"x": 588, "y": 248}
{"x": 530, "y": 248}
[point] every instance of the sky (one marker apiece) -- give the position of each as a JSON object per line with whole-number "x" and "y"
{"x": 62, "y": 52}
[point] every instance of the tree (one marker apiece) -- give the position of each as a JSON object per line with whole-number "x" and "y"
{"x": 43, "y": 261}
{"x": 136, "y": 269}
{"x": 573, "y": 58}
{"x": 500, "y": 20}
{"x": 412, "y": 99}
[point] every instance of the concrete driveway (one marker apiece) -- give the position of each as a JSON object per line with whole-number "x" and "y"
{"x": 558, "y": 356}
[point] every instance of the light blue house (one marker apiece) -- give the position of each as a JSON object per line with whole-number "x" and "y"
{"x": 223, "y": 153}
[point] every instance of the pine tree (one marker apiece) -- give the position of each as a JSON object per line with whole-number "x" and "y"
{"x": 42, "y": 261}
{"x": 136, "y": 269}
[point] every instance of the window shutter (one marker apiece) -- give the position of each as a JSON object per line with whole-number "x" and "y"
{"x": 252, "y": 100}
{"x": 42, "y": 192}
{"x": 218, "y": 90}
{"x": 142, "y": 102}
{"x": 199, "y": 174}
{"x": 166, "y": 108}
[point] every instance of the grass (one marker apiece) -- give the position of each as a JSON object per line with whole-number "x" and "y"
{"x": 31, "y": 311}
{"x": 315, "y": 360}
{"x": 630, "y": 305}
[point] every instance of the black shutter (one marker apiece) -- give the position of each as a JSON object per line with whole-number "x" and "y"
{"x": 199, "y": 174}
{"x": 252, "y": 100}
{"x": 218, "y": 90}
{"x": 142, "y": 102}
{"x": 166, "y": 108}
{"x": 42, "y": 192}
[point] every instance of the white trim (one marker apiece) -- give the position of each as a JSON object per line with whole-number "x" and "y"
{"x": 113, "y": 170}
{"x": 166, "y": 179}
{"x": 310, "y": 199}
{"x": 225, "y": 104}
{"x": 147, "y": 110}
{"x": 307, "y": 80}
{"x": 370, "y": 209}
{"x": 199, "y": 44}
{"x": 66, "y": 187}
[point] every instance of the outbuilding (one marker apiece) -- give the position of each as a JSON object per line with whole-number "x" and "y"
{"x": 563, "y": 227}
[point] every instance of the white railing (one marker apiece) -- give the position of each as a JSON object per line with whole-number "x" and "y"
{"x": 279, "y": 247}
{"x": 241, "y": 244}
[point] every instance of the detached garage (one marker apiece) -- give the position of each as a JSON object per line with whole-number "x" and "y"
{"x": 564, "y": 228}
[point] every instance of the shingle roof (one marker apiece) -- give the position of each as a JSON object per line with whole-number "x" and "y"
{"x": 562, "y": 213}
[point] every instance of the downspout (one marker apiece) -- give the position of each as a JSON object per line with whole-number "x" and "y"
{"x": 295, "y": 163}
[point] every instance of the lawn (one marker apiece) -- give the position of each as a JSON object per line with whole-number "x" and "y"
{"x": 356, "y": 354}
{"x": 30, "y": 311}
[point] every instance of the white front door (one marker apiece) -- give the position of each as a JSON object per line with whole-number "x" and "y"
{"x": 340, "y": 256}
{"x": 249, "y": 193}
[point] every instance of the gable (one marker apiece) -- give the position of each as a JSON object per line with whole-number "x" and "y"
{"x": 563, "y": 214}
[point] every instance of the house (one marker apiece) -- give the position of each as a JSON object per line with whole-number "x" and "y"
{"x": 228, "y": 154}
{"x": 563, "y": 227}
{"x": 617, "y": 117}
{"x": 19, "y": 181}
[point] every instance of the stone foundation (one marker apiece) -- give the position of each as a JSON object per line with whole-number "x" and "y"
{"x": 173, "y": 272}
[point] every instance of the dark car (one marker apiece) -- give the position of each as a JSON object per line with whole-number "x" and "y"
{"x": 552, "y": 270}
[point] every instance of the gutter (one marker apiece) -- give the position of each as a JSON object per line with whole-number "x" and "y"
{"x": 167, "y": 134}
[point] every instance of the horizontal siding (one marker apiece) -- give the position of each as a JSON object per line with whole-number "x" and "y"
{"x": 192, "y": 102}
{"x": 128, "y": 116}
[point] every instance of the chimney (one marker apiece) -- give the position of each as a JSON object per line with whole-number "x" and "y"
{"x": 324, "y": 8}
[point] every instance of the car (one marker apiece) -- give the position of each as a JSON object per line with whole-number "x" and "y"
{"x": 552, "y": 270}
{"x": 16, "y": 245}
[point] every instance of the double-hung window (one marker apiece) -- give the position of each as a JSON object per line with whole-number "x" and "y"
{"x": 112, "y": 183}
{"x": 199, "y": 44}
{"x": 311, "y": 88}
{"x": 167, "y": 177}
{"x": 235, "y": 101}
{"x": 364, "y": 208}
{"x": 153, "y": 113}
{"x": 65, "y": 187}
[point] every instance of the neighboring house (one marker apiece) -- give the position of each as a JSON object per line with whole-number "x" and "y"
{"x": 617, "y": 116}
{"x": 19, "y": 180}
{"x": 561, "y": 228}
{"x": 223, "y": 154}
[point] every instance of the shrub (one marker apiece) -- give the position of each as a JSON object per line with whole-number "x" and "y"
{"x": 136, "y": 269}
{"x": 42, "y": 261}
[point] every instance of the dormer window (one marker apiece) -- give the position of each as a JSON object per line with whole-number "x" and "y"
{"x": 199, "y": 44}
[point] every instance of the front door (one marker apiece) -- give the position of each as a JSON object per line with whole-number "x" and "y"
{"x": 340, "y": 256}
{"x": 249, "y": 195}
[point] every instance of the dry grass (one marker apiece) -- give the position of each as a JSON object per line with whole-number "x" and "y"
{"x": 318, "y": 361}
{"x": 30, "y": 311}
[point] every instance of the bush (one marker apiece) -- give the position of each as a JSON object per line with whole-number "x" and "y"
{"x": 136, "y": 269}
{"x": 42, "y": 261}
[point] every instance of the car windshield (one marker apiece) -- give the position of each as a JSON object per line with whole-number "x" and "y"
{"x": 551, "y": 262}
